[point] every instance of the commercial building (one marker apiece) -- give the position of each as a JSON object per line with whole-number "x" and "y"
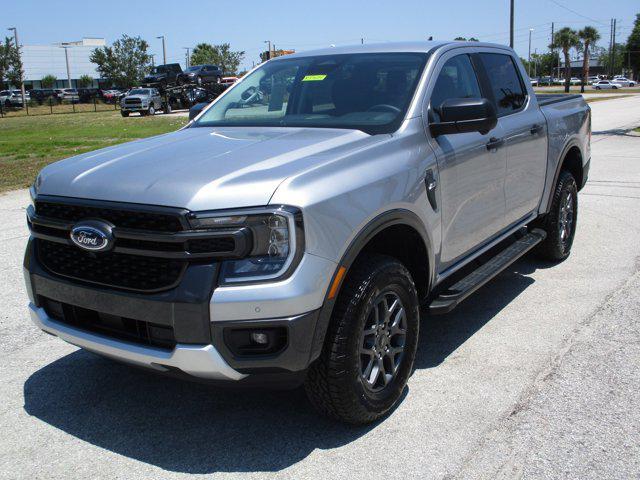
{"x": 41, "y": 60}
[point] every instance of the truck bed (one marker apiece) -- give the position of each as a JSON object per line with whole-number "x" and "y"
{"x": 549, "y": 98}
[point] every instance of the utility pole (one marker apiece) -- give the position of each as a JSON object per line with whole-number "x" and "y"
{"x": 613, "y": 49}
{"x": 610, "y": 48}
{"x": 15, "y": 37}
{"x": 511, "y": 25}
{"x": 553, "y": 54}
{"x": 186, "y": 63}
{"x": 164, "y": 50}
{"x": 269, "y": 51}
{"x": 529, "y": 59}
{"x": 66, "y": 58}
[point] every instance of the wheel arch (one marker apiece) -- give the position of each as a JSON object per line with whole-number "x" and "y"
{"x": 572, "y": 161}
{"x": 377, "y": 236}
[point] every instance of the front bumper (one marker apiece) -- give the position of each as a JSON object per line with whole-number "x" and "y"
{"x": 201, "y": 349}
{"x": 202, "y": 361}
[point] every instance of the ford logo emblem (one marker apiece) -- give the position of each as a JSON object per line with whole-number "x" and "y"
{"x": 92, "y": 235}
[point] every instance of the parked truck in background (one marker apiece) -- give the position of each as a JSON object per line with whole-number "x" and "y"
{"x": 299, "y": 227}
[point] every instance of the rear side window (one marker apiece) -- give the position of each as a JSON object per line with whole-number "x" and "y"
{"x": 507, "y": 86}
{"x": 457, "y": 79}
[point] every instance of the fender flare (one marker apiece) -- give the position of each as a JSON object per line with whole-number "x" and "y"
{"x": 570, "y": 144}
{"x": 370, "y": 230}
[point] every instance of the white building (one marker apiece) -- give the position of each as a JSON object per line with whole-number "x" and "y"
{"x": 41, "y": 60}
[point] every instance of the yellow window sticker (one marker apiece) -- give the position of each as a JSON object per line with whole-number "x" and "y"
{"x": 314, "y": 78}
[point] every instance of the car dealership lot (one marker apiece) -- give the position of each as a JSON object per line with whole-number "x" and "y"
{"x": 535, "y": 375}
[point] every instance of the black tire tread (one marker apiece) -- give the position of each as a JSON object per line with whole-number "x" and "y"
{"x": 326, "y": 376}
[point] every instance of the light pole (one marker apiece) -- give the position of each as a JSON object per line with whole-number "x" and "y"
{"x": 269, "y": 54}
{"x": 511, "y": 20}
{"x": 529, "y": 59}
{"x": 164, "y": 50}
{"x": 186, "y": 63}
{"x": 15, "y": 37}
{"x": 66, "y": 58}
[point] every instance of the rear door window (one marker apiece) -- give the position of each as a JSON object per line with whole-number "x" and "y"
{"x": 506, "y": 84}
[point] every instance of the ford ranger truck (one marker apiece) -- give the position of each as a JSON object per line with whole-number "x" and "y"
{"x": 297, "y": 229}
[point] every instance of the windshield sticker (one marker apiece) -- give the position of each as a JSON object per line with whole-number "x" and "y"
{"x": 314, "y": 78}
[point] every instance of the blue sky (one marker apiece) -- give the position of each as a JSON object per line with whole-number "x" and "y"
{"x": 305, "y": 25}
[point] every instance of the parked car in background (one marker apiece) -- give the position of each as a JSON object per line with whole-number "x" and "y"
{"x": 200, "y": 74}
{"x": 41, "y": 95}
{"x": 623, "y": 81}
{"x": 534, "y": 82}
{"x": 145, "y": 101}
{"x": 592, "y": 79}
{"x": 298, "y": 235}
{"x": 69, "y": 95}
{"x": 86, "y": 95}
{"x": 163, "y": 75}
{"x": 605, "y": 84}
{"x": 228, "y": 81}
{"x": 575, "y": 81}
{"x": 13, "y": 98}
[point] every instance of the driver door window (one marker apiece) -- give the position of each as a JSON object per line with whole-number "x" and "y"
{"x": 457, "y": 79}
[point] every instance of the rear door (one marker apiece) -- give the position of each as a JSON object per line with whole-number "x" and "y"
{"x": 471, "y": 173}
{"x": 525, "y": 135}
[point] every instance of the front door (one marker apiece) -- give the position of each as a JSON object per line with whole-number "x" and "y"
{"x": 471, "y": 173}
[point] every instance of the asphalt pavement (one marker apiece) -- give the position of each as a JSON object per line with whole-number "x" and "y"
{"x": 535, "y": 376}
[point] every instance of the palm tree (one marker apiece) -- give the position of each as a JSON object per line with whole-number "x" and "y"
{"x": 589, "y": 36}
{"x": 566, "y": 39}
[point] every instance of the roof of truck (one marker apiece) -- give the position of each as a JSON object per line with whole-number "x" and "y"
{"x": 389, "y": 47}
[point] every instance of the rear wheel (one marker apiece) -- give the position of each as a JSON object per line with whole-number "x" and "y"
{"x": 560, "y": 222}
{"x": 370, "y": 344}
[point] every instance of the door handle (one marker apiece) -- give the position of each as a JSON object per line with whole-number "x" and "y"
{"x": 495, "y": 143}
{"x": 536, "y": 129}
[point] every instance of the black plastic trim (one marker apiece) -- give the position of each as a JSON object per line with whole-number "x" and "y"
{"x": 295, "y": 356}
{"x": 185, "y": 307}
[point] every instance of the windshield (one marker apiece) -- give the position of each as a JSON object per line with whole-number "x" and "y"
{"x": 365, "y": 91}
{"x": 160, "y": 69}
{"x": 139, "y": 91}
{"x": 193, "y": 69}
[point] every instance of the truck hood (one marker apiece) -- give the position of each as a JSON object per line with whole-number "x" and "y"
{"x": 198, "y": 168}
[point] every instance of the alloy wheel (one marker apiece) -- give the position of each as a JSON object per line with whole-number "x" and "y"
{"x": 382, "y": 341}
{"x": 566, "y": 217}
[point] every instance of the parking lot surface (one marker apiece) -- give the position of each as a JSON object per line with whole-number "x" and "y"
{"x": 535, "y": 376}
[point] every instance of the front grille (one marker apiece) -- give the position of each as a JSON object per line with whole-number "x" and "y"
{"x": 158, "y": 222}
{"x": 132, "y": 272}
{"x": 132, "y": 101}
{"x": 128, "y": 329}
{"x": 217, "y": 245}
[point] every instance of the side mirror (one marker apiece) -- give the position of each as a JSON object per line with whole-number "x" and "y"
{"x": 462, "y": 115}
{"x": 196, "y": 109}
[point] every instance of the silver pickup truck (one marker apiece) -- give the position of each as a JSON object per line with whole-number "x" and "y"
{"x": 145, "y": 101}
{"x": 299, "y": 227}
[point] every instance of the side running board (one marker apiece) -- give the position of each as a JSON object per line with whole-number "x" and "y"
{"x": 451, "y": 297}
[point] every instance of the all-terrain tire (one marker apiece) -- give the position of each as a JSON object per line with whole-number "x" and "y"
{"x": 336, "y": 384}
{"x": 124, "y": 114}
{"x": 557, "y": 246}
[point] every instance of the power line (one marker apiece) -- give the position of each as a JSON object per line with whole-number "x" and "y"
{"x": 577, "y": 13}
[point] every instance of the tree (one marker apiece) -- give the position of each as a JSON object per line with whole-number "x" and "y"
{"x": 565, "y": 39}
{"x": 633, "y": 47}
{"x": 10, "y": 64}
{"x": 619, "y": 59}
{"x": 125, "y": 62}
{"x": 220, "y": 55}
{"x": 85, "y": 81}
{"x": 48, "y": 81}
{"x": 463, "y": 39}
{"x": 589, "y": 36}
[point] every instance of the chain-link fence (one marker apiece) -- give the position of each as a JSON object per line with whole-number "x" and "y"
{"x": 54, "y": 104}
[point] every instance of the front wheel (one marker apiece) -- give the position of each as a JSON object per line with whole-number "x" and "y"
{"x": 560, "y": 222}
{"x": 124, "y": 114}
{"x": 152, "y": 110}
{"x": 370, "y": 344}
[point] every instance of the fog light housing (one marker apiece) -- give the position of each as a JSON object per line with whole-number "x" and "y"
{"x": 245, "y": 342}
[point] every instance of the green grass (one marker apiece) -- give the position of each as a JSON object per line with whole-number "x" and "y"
{"x": 29, "y": 143}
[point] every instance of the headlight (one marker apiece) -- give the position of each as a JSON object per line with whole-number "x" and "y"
{"x": 277, "y": 242}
